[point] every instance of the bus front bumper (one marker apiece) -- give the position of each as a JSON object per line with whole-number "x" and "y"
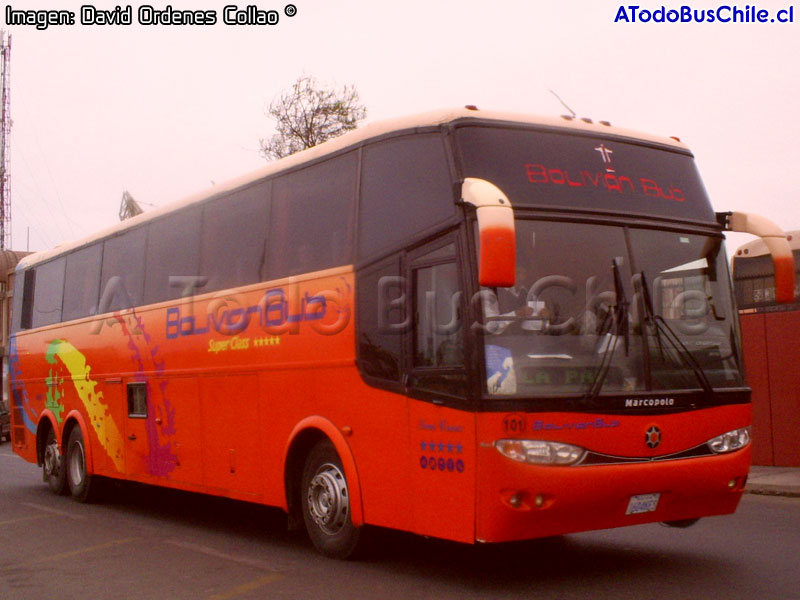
{"x": 520, "y": 501}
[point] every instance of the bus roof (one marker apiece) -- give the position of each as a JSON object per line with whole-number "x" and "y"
{"x": 353, "y": 138}
{"x": 757, "y": 247}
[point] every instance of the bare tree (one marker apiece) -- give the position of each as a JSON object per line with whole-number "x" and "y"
{"x": 310, "y": 113}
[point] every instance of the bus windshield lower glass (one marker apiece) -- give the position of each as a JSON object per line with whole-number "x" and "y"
{"x": 600, "y": 309}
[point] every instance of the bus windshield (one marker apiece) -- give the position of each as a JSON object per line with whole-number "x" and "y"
{"x": 609, "y": 309}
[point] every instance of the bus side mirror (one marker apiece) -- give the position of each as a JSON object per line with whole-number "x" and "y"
{"x": 777, "y": 244}
{"x": 497, "y": 237}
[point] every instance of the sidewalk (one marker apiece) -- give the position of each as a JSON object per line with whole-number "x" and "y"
{"x": 774, "y": 481}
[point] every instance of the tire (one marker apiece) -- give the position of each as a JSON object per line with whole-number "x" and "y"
{"x": 681, "y": 523}
{"x": 53, "y": 471}
{"x": 77, "y": 475}
{"x": 325, "y": 501}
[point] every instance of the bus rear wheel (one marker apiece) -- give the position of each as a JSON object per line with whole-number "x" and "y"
{"x": 78, "y": 477}
{"x": 325, "y": 501}
{"x": 53, "y": 465}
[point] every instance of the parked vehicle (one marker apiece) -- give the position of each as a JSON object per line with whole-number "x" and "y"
{"x": 5, "y": 423}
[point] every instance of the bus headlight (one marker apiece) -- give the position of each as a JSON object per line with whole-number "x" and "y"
{"x": 540, "y": 452}
{"x": 728, "y": 442}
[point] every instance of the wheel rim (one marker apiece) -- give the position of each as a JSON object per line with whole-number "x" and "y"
{"x": 51, "y": 459}
{"x": 327, "y": 499}
{"x": 76, "y": 465}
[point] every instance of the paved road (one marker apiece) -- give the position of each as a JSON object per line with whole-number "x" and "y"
{"x": 149, "y": 543}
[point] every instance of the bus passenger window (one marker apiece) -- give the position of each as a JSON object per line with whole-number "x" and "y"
{"x": 405, "y": 190}
{"x": 48, "y": 293}
{"x": 173, "y": 247}
{"x": 233, "y": 245}
{"x": 26, "y": 300}
{"x": 82, "y": 282}
{"x": 311, "y": 223}
{"x": 122, "y": 275}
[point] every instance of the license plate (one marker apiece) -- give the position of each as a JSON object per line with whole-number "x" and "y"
{"x": 642, "y": 503}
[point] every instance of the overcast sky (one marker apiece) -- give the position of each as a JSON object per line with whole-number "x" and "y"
{"x": 165, "y": 111}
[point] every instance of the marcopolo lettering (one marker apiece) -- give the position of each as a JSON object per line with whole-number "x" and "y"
{"x": 648, "y": 402}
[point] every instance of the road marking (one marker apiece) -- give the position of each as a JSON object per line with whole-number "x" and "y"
{"x": 72, "y": 553}
{"x": 53, "y": 511}
{"x": 22, "y": 519}
{"x": 244, "y": 560}
{"x": 246, "y": 587}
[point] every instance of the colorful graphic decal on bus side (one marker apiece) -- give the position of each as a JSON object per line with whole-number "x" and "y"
{"x": 75, "y": 362}
{"x": 161, "y": 459}
{"x": 19, "y": 392}
{"x": 55, "y": 391}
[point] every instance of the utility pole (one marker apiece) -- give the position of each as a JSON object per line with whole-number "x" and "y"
{"x": 5, "y": 129}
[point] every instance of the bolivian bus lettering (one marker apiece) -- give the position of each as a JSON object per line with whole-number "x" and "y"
{"x": 273, "y": 312}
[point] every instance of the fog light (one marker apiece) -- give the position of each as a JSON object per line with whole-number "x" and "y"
{"x": 516, "y": 500}
{"x": 732, "y": 484}
{"x": 539, "y": 501}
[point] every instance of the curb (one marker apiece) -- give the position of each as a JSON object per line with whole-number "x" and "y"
{"x": 773, "y": 490}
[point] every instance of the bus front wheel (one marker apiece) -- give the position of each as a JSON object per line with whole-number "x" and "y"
{"x": 78, "y": 477}
{"x": 325, "y": 500}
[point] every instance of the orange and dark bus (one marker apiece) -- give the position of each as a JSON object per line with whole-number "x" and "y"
{"x": 474, "y": 326}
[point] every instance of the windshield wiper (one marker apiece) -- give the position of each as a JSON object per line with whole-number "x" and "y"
{"x": 660, "y": 326}
{"x": 618, "y": 319}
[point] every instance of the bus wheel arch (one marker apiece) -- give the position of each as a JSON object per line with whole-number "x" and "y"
{"x": 308, "y": 435}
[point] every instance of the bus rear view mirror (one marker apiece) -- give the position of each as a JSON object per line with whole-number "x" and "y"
{"x": 777, "y": 243}
{"x": 497, "y": 238}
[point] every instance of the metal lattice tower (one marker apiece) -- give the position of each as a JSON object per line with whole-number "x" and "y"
{"x": 5, "y": 129}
